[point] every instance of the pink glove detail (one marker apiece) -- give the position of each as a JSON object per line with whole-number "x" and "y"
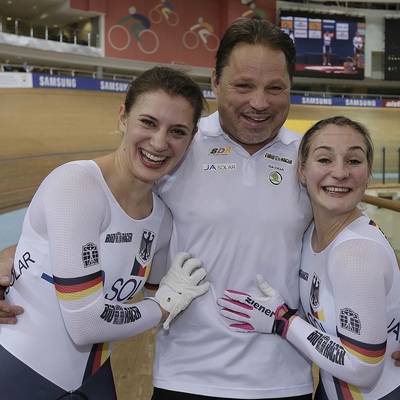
{"x": 281, "y": 325}
{"x": 251, "y": 313}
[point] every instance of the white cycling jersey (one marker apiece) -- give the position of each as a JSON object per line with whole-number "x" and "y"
{"x": 350, "y": 294}
{"x": 79, "y": 258}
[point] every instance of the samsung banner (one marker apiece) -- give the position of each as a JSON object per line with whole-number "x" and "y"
{"x": 45, "y": 81}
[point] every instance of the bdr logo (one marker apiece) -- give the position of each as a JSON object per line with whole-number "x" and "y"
{"x": 219, "y": 151}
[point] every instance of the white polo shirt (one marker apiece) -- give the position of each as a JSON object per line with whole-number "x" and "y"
{"x": 241, "y": 215}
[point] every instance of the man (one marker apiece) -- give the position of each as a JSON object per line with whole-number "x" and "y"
{"x": 237, "y": 205}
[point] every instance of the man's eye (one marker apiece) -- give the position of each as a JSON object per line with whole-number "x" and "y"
{"x": 243, "y": 87}
{"x": 275, "y": 90}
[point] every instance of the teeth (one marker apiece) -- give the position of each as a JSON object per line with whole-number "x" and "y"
{"x": 258, "y": 119}
{"x": 331, "y": 189}
{"x": 153, "y": 158}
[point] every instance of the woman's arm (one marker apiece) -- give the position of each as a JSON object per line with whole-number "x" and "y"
{"x": 360, "y": 274}
{"x": 71, "y": 210}
{"x": 77, "y": 212}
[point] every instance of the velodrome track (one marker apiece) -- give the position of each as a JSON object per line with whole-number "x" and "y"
{"x": 43, "y": 128}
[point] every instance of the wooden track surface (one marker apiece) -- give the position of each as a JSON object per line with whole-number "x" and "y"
{"x": 43, "y": 128}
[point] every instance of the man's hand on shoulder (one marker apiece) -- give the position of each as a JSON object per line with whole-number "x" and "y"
{"x": 396, "y": 357}
{"x": 8, "y": 312}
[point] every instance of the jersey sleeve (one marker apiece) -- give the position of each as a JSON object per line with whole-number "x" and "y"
{"x": 77, "y": 211}
{"x": 360, "y": 273}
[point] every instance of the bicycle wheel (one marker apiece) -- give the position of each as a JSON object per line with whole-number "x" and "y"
{"x": 212, "y": 42}
{"x": 116, "y": 38}
{"x": 149, "y": 42}
{"x": 155, "y": 16}
{"x": 191, "y": 40}
{"x": 173, "y": 19}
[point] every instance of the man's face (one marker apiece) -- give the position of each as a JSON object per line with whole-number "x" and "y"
{"x": 253, "y": 95}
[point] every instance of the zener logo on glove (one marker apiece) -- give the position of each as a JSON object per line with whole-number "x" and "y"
{"x": 251, "y": 313}
{"x": 259, "y": 307}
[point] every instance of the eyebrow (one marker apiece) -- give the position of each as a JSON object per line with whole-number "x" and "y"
{"x": 352, "y": 148}
{"x": 143, "y": 115}
{"x": 183, "y": 126}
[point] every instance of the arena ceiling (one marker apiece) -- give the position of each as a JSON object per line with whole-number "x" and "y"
{"x": 43, "y": 12}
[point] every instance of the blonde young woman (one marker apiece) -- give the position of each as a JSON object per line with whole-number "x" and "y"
{"x": 349, "y": 277}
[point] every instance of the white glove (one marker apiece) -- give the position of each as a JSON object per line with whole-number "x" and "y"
{"x": 181, "y": 285}
{"x": 251, "y": 313}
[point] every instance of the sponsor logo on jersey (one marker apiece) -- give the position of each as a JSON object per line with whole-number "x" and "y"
{"x": 145, "y": 245}
{"x": 90, "y": 255}
{"x": 394, "y": 328}
{"x": 278, "y": 158}
{"x": 276, "y": 167}
{"x": 327, "y": 347}
{"x": 275, "y": 178}
{"x": 23, "y": 264}
{"x": 118, "y": 315}
{"x": 118, "y": 237}
{"x": 219, "y": 167}
{"x": 219, "y": 151}
{"x": 124, "y": 289}
{"x": 350, "y": 320}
